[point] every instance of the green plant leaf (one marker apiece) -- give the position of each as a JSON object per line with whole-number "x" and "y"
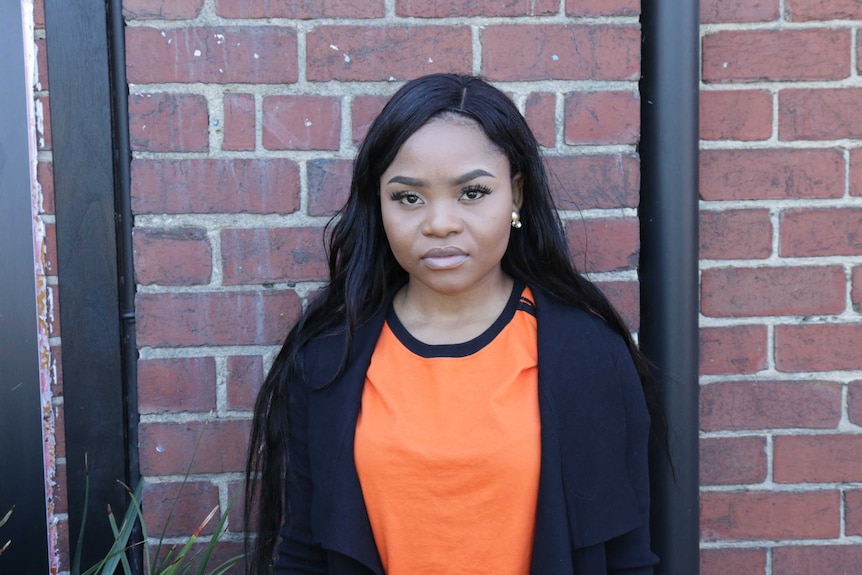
{"x": 220, "y": 529}
{"x": 158, "y": 563}
{"x": 76, "y": 562}
{"x": 7, "y": 516}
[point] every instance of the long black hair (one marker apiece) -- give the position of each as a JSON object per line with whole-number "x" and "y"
{"x": 362, "y": 268}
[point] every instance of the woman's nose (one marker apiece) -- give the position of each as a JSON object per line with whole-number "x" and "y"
{"x": 441, "y": 219}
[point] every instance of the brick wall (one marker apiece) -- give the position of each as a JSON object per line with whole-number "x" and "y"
{"x": 781, "y": 287}
{"x": 245, "y": 116}
{"x": 244, "y": 120}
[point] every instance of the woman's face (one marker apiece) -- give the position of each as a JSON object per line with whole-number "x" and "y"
{"x": 447, "y": 201}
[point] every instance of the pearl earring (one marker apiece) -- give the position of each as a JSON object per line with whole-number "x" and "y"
{"x": 516, "y": 220}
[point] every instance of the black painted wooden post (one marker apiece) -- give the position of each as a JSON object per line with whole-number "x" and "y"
{"x": 85, "y": 175}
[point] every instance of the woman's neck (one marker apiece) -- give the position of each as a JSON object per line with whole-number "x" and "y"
{"x": 438, "y": 318}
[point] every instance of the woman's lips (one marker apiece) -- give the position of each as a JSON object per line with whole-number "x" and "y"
{"x": 444, "y": 258}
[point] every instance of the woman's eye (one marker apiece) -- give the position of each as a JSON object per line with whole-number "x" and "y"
{"x": 407, "y": 198}
{"x": 475, "y": 193}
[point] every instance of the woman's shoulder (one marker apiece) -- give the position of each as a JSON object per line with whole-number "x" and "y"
{"x": 324, "y": 355}
{"x": 566, "y": 319}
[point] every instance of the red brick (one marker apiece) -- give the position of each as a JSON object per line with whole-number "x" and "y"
{"x": 716, "y": 11}
{"x": 239, "y": 122}
{"x": 732, "y": 350}
{"x": 300, "y": 9}
{"x": 61, "y": 499}
{"x": 45, "y": 176}
{"x": 176, "y": 385}
{"x": 59, "y": 430}
{"x": 625, "y": 297}
{"x": 817, "y": 458}
{"x": 561, "y": 52}
{"x": 821, "y": 232}
{"x": 856, "y": 172}
{"x": 756, "y": 515}
{"x": 235, "y": 493}
{"x": 51, "y": 249}
{"x": 53, "y": 311}
{"x": 467, "y": 8}
{"x": 540, "y": 113}
{"x": 829, "y": 114}
{"x": 63, "y": 542}
{"x": 856, "y": 290}
{"x": 168, "y": 123}
{"x": 854, "y": 402}
{"x": 244, "y": 378}
{"x": 210, "y": 186}
{"x": 732, "y": 561}
{"x": 57, "y": 367}
{"x": 743, "y": 115}
{"x": 735, "y": 234}
{"x": 202, "y": 561}
{"x": 611, "y": 117}
{"x": 803, "y": 10}
{"x": 41, "y": 65}
{"x": 162, "y": 9}
{"x": 746, "y": 292}
{"x": 754, "y": 55}
{"x": 588, "y": 182}
{"x": 215, "y": 318}
{"x": 254, "y": 55}
{"x": 301, "y": 123}
{"x": 39, "y": 13}
{"x": 179, "y": 508}
{"x": 376, "y": 53}
{"x": 592, "y": 8}
{"x": 771, "y": 174}
{"x": 732, "y": 460}
{"x": 328, "y": 185}
{"x": 273, "y": 255}
{"x": 818, "y": 347}
{"x": 169, "y": 448}
{"x": 809, "y": 559}
{"x": 43, "y": 132}
{"x": 853, "y": 512}
{"x": 603, "y": 245}
{"x": 739, "y": 405}
{"x": 172, "y": 256}
{"x": 363, "y": 112}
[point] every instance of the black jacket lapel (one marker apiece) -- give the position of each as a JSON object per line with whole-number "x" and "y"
{"x": 339, "y": 516}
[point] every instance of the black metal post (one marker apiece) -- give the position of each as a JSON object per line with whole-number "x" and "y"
{"x": 125, "y": 223}
{"x": 125, "y": 251}
{"x": 669, "y": 267}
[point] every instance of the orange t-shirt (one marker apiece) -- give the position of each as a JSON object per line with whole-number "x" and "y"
{"x": 448, "y": 448}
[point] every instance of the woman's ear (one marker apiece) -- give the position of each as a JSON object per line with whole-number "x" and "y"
{"x": 517, "y": 191}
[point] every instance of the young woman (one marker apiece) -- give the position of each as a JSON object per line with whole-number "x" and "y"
{"x": 458, "y": 399}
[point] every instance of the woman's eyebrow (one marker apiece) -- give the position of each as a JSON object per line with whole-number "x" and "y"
{"x": 407, "y": 181}
{"x": 471, "y": 175}
{"x": 417, "y": 183}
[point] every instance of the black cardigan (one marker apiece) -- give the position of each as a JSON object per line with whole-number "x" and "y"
{"x": 592, "y": 515}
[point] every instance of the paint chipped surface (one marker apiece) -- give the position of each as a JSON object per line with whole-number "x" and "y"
{"x": 44, "y": 309}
